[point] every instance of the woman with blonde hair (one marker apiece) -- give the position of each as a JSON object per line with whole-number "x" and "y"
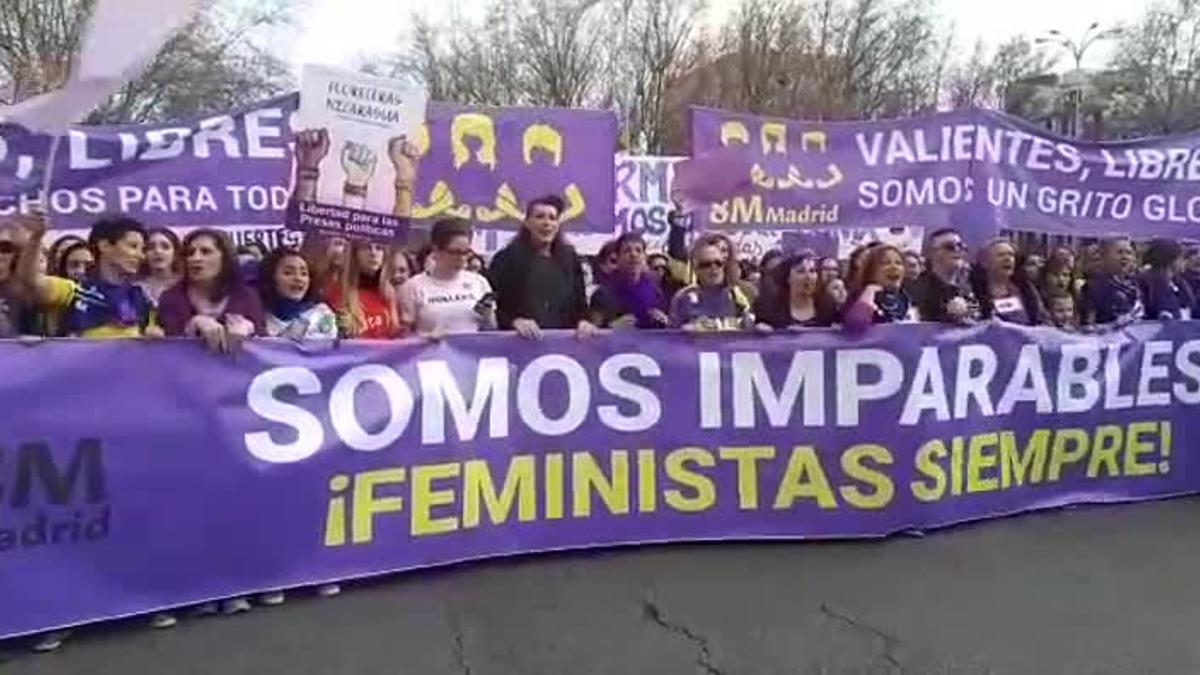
{"x": 365, "y": 299}
{"x": 733, "y": 268}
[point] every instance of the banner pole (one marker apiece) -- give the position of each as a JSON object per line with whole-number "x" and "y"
{"x": 49, "y": 178}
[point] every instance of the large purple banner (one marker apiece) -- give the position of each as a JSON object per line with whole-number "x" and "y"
{"x": 151, "y": 475}
{"x": 229, "y": 169}
{"x": 978, "y": 170}
{"x": 236, "y": 169}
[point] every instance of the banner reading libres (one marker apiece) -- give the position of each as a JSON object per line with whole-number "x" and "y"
{"x": 206, "y": 477}
{"x": 473, "y": 162}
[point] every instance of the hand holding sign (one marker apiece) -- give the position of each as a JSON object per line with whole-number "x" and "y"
{"x": 312, "y": 146}
{"x": 32, "y": 225}
{"x": 367, "y": 121}
{"x": 404, "y": 158}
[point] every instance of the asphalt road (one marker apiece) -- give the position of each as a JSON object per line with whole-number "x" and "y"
{"x": 1101, "y": 590}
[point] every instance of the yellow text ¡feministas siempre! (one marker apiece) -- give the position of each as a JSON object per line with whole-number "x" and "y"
{"x": 439, "y": 499}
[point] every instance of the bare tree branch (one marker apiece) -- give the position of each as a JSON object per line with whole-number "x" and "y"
{"x": 211, "y": 66}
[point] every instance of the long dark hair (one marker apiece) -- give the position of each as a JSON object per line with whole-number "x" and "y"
{"x": 780, "y": 299}
{"x": 177, "y": 263}
{"x": 1054, "y": 265}
{"x": 855, "y": 264}
{"x": 782, "y": 274}
{"x": 266, "y": 277}
{"x": 228, "y": 279}
{"x": 1162, "y": 254}
{"x": 58, "y": 249}
{"x": 560, "y": 245}
{"x": 59, "y": 267}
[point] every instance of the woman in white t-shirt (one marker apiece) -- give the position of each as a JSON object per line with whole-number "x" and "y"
{"x": 448, "y": 299}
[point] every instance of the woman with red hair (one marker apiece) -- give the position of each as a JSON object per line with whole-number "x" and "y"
{"x": 879, "y": 290}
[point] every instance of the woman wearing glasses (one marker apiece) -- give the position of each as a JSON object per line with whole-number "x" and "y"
{"x": 940, "y": 293}
{"x": 449, "y": 298}
{"x": 714, "y": 302}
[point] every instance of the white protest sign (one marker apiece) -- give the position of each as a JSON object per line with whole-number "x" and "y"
{"x": 363, "y": 166}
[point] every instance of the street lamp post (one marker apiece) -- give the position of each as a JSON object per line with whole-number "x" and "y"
{"x": 1078, "y": 49}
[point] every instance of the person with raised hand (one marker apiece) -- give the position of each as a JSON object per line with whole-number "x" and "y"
{"x": 108, "y": 303}
{"x": 538, "y": 277}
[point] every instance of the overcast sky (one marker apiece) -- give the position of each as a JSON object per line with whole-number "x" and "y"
{"x": 342, "y": 32}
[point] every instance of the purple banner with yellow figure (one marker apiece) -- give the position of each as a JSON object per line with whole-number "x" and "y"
{"x": 285, "y": 465}
{"x": 237, "y": 169}
{"x": 978, "y": 170}
{"x": 486, "y": 164}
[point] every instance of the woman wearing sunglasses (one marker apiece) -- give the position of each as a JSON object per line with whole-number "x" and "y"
{"x": 940, "y": 293}
{"x": 714, "y": 302}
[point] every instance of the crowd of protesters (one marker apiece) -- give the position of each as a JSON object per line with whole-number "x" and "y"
{"x": 126, "y": 280}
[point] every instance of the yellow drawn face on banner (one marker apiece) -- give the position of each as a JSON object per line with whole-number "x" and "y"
{"x": 545, "y": 138}
{"x": 478, "y": 128}
{"x": 473, "y": 141}
{"x": 773, "y": 142}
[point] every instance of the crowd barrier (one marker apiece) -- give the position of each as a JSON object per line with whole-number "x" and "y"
{"x": 138, "y": 476}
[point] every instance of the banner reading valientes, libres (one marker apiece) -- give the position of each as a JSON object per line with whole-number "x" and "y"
{"x": 979, "y": 170}
{"x": 288, "y": 465}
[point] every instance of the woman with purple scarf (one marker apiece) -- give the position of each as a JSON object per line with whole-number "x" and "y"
{"x": 630, "y": 296}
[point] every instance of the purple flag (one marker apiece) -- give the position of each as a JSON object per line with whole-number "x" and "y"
{"x": 714, "y": 176}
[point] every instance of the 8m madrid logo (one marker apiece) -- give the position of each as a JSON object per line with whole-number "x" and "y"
{"x": 52, "y": 499}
